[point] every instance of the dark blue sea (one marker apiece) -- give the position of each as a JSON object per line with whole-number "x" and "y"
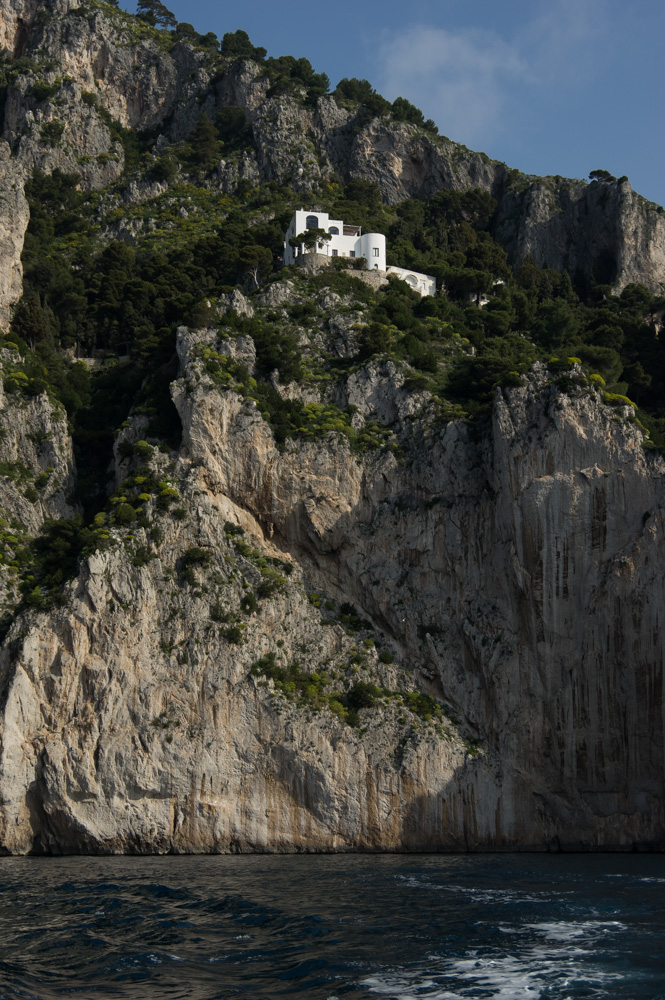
{"x": 324, "y": 927}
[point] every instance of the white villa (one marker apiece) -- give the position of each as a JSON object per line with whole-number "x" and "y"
{"x": 350, "y": 241}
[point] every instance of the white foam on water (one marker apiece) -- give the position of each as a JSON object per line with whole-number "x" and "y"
{"x": 560, "y": 962}
{"x": 481, "y": 895}
{"x": 563, "y": 930}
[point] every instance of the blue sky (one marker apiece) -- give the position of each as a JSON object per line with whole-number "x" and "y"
{"x": 559, "y": 87}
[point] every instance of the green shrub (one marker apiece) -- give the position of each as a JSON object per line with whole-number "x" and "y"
{"x": 363, "y": 695}
{"x": 124, "y": 515}
{"x": 164, "y": 169}
{"x": 231, "y": 529}
{"x": 249, "y": 604}
{"x": 616, "y": 399}
{"x": 51, "y": 132}
{"x": 219, "y": 614}
{"x": 423, "y": 705}
{"x": 166, "y": 497}
{"x": 272, "y": 583}
{"x": 142, "y": 556}
{"x": 43, "y": 91}
{"x": 234, "y": 635}
{"x": 143, "y": 450}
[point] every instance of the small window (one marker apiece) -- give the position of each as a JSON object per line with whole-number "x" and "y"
{"x": 334, "y": 253}
{"x": 312, "y": 222}
{"x": 334, "y": 231}
{"x": 375, "y": 252}
{"x": 352, "y": 253}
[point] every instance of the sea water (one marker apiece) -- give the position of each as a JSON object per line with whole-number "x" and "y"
{"x": 440, "y": 927}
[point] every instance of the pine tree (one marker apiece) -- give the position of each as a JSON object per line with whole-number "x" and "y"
{"x": 154, "y": 13}
{"x": 204, "y": 144}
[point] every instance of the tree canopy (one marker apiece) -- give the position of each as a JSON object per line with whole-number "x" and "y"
{"x": 154, "y": 13}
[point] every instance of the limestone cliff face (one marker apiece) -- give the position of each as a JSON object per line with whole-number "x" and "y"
{"x": 112, "y": 60}
{"x": 14, "y": 215}
{"x": 490, "y": 565}
{"x": 515, "y": 576}
{"x": 106, "y": 53}
{"x": 85, "y": 146}
{"x": 19, "y": 17}
{"x": 131, "y": 721}
{"x": 518, "y": 577}
{"x": 603, "y": 229}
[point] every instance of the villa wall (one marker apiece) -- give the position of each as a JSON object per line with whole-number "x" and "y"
{"x": 314, "y": 263}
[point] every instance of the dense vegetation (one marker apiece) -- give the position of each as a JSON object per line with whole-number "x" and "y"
{"x": 128, "y": 300}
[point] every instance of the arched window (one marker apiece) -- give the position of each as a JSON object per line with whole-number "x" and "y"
{"x": 410, "y": 280}
{"x": 312, "y": 222}
{"x": 334, "y": 231}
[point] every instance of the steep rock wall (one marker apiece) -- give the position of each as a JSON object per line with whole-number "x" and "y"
{"x": 108, "y": 54}
{"x": 522, "y": 575}
{"x": 14, "y": 216}
{"x": 519, "y": 577}
{"x": 131, "y": 724}
{"x": 18, "y": 18}
{"x": 603, "y": 230}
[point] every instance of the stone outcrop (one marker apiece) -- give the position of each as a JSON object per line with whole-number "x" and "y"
{"x": 147, "y": 732}
{"x": 84, "y": 145}
{"x": 509, "y": 545}
{"x": 111, "y": 55}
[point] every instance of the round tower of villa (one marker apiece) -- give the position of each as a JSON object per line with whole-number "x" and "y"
{"x": 372, "y": 246}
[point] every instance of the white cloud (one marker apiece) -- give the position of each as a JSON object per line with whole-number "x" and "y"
{"x": 472, "y": 82}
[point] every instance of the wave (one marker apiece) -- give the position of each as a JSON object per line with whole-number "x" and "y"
{"x": 556, "y": 959}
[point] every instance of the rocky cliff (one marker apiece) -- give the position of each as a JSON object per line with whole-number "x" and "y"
{"x": 516, "y": 578}
{"x": 334, "y": 610}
